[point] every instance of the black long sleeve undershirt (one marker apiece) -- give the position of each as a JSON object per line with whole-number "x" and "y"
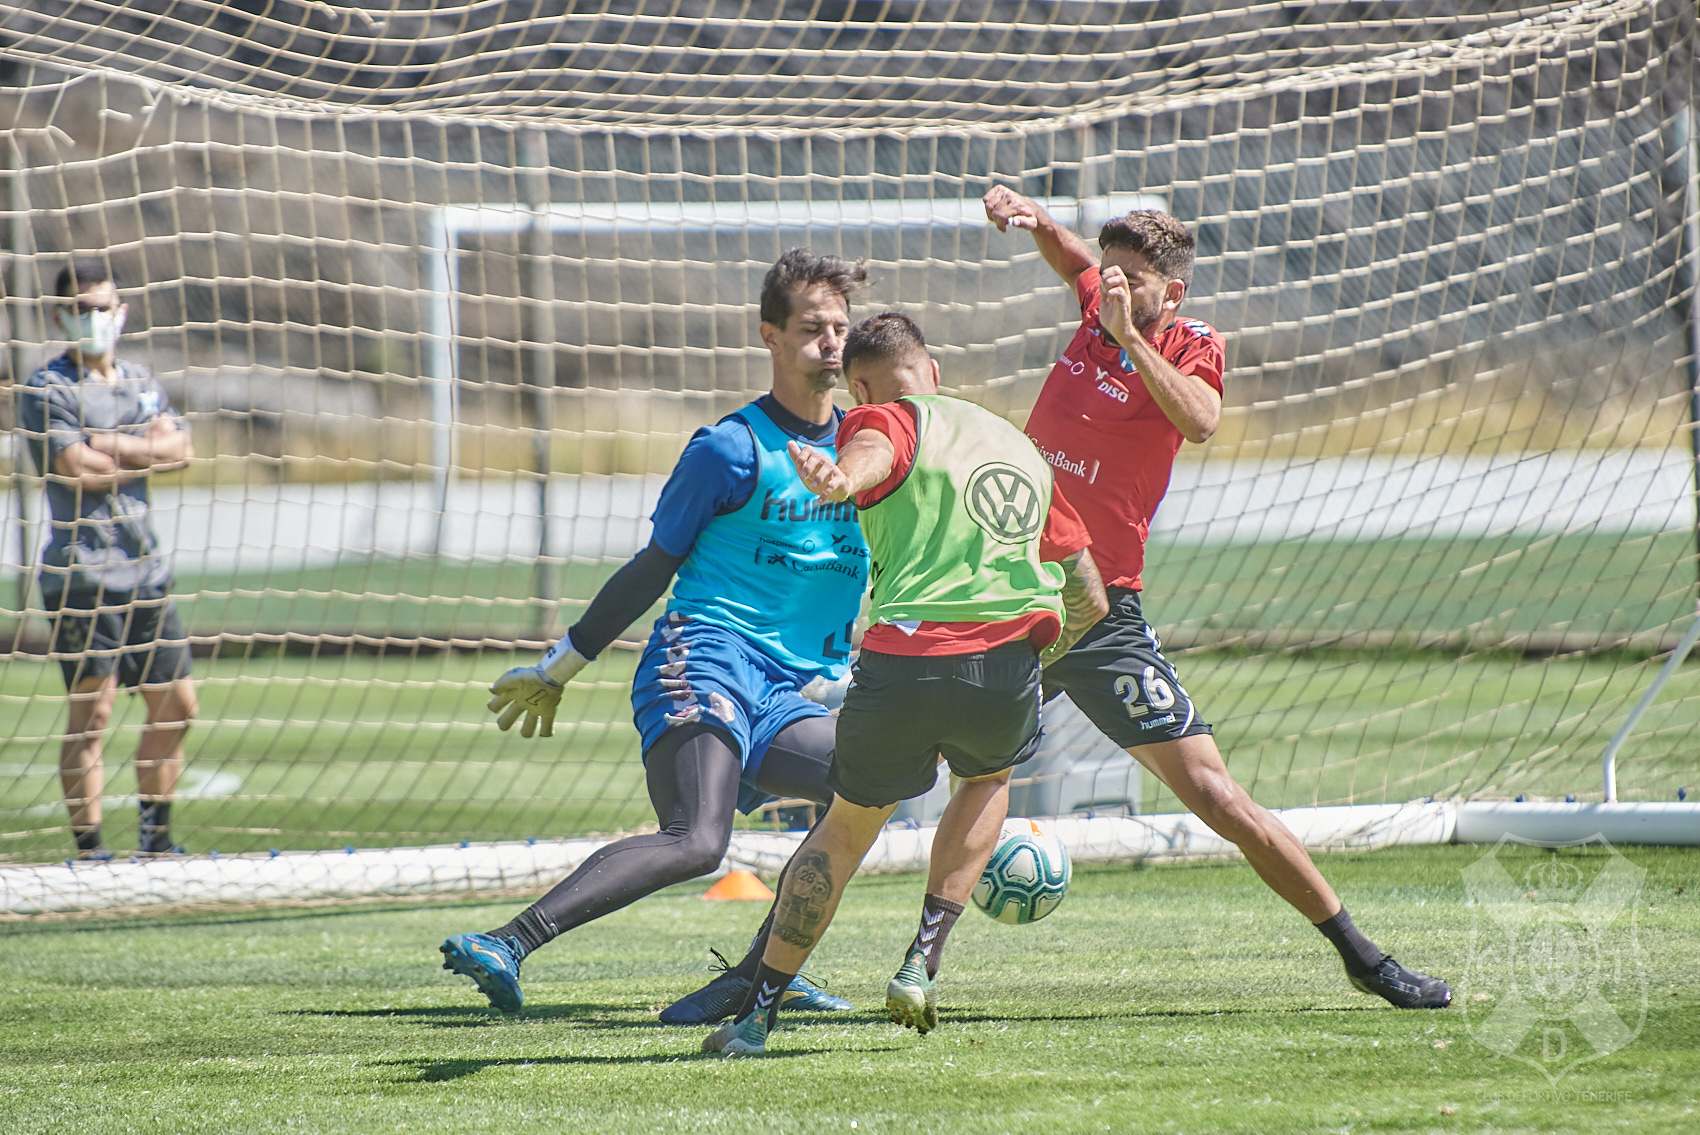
{"x": 624, "y": 599}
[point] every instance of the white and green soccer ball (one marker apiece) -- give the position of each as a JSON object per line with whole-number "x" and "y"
{"x": 1027, "y": 875}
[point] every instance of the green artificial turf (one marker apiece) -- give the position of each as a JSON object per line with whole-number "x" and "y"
{"x": 1581, "y": 584}
{"x": 298, "y": 753}
{"x": 1182, "y": 998}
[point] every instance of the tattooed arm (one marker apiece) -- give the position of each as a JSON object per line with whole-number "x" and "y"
{"x": 1084, "y": 603}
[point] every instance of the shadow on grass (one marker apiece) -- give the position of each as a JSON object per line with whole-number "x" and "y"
{"x": 442, "y": 1071}
{"x": 601, "y": 1016}
{"x": 476, "y": 1016}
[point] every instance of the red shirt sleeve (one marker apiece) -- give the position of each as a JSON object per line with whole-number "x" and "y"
{"x": 1201, "y": 355}
{"x": 896, "y": 420}
{"x": 1089, "y": 290}
{"x": 1065, "y": 533}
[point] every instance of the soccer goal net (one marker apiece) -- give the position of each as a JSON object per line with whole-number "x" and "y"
{"x": 442, "y": 289}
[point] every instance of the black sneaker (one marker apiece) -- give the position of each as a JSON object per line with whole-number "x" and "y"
{"x": 714, "y": 1002}
{"x": 1403, "y": 988}
{"x": 724, "y": 996}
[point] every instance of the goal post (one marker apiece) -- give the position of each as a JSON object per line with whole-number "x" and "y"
{"x": 797, "y": 220}
{"x": 442, "y": 310}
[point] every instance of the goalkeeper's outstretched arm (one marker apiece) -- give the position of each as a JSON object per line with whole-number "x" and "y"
{"x": 535, "y": 691}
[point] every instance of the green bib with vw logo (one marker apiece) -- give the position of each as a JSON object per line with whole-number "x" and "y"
{"x": 958, "y": 540}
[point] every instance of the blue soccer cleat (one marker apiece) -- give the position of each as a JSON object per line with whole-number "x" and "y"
{"x": 490, "y": 961}
{"x": 805, "y": 993}
{"x": 722, "y": 997}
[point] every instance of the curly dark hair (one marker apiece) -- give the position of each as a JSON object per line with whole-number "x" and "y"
{"x": 1160, "y": 238}
{"x": 82, "y": 273}
{"x": 800, "y": 268}
{"x": 890, "y": 335}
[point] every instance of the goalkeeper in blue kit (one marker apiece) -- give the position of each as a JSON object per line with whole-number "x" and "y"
{"x": 767, "y": 583}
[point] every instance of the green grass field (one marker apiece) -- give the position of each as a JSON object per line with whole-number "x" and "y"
{"x": 1183, "y": 998}
{"x": 1585, "y": 584}
{"x": 301, "y": 753}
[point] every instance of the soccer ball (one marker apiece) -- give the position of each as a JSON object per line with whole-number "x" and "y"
{"x": 1026, "y": 877}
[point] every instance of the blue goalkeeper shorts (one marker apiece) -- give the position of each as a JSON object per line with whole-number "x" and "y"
{"x": 692, "y": 671}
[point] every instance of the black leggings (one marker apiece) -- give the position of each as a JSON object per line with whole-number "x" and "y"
{"x": 693, "y": 774}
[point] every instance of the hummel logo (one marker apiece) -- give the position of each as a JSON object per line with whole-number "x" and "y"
{"x": 928, "y": 935}
{"x": 764, "y": 997}
{"x": 932, "y": 919}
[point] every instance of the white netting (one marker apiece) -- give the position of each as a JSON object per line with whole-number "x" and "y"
{"x": 440, "y": 285}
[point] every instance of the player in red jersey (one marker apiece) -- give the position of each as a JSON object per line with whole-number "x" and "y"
{"x": 1137, "y": 380}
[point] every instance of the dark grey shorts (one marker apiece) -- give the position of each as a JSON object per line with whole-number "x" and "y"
{"x": 1119, "y": 678}
{"x": 980, "y": 711}
{"x": 141, "y": 639}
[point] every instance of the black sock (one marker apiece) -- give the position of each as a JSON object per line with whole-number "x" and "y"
{"x": 1360, "y": 954}
{"x": 938, "y": 915}
{"x": 766, "y": 992}
{"x": 87, "y": 838}
{"x": 758, "y": 946}
{"x": 154, "y": 831}
{"x": 530, "y": 928}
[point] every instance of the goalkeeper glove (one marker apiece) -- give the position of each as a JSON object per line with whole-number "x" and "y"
{"x": 827, "y": 692}
{"x": 535, "y": 691}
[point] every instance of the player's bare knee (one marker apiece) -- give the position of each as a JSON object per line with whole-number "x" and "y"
{"x": 173, "y": 706}
{"x": 1231, "y": 813}
{"x": 91, "y": 722}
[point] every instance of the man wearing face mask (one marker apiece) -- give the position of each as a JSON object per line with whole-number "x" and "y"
{"x": 97, "y": 427}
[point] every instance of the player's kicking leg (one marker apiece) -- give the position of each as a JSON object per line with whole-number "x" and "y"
{"x": 793, "y": 767}
{"x": 966, "y": 837}
{"x": 727, "y": 990}
{"x": 1118, "y": 677}
{"x": 980, "y": 711}
{"x": 813, "y": 883}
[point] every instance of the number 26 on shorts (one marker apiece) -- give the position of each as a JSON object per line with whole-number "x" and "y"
{"x": 1158, "y": 693}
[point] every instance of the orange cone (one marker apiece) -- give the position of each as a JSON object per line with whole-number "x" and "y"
{"x": 738, "y": 885}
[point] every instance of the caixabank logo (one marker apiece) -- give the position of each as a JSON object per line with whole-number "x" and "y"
{"x": 1556, "y": 977}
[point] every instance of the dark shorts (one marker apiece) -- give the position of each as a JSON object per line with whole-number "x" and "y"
{"x": 980, "y": 711}
{"x": 1118, "y": 677}
{"x": 142, "y": 639}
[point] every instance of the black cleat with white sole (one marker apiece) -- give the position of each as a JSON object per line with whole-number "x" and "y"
{"x": 1403, "y": 988}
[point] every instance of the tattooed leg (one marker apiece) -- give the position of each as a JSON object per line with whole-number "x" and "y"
{"x": 815, "y": 879}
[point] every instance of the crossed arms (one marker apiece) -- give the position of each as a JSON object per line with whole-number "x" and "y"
{"x": 105, "y": 459}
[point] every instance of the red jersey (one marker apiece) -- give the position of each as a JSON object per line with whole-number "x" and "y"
{"x": 1063, "y": 535}
{"x": 1109, "y": 441}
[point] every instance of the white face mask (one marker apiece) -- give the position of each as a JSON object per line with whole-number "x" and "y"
{"x": 94, "y": 333}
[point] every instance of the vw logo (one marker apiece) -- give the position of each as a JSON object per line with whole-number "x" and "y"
{"x": 1004, "y": 502}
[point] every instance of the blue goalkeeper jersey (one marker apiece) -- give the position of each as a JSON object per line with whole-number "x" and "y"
{"x": 784, "y": 570}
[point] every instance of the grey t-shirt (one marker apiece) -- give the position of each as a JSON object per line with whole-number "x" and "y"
{"x": 100, "y": 539}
